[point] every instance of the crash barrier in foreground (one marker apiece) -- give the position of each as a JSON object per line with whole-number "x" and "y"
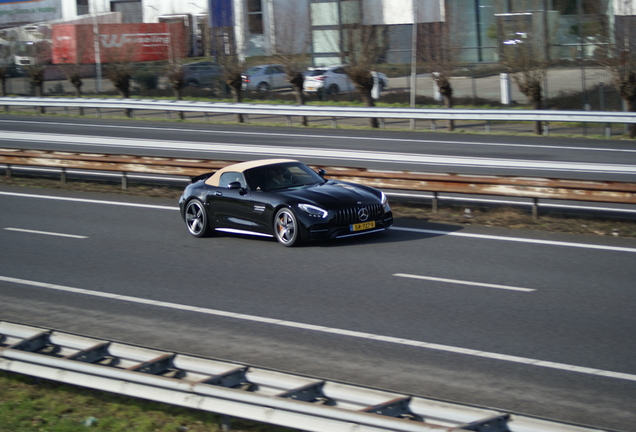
{"x": 526, "y": 187}
{"x": 238, "y": 390}
{"x": 290, "y": 111}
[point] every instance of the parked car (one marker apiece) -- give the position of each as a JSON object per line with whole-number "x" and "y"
{"x": 284, "y": 199}
{"x": 333, "y": 80}
{"x": 264, "y": 78}
{"x": 202, "y": 74}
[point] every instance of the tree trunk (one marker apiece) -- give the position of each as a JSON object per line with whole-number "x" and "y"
{"x": 446, "y": 90}
{"x": 178, "y": 95}
{"x": 3, "y": 89}
{"x": 630, "y": 105}
{"x": 39, "y": 92}
{"x": 297, "y": 81}
{"x": 448, "y": 103}
{"x": 236, "y": 83}
{"x": 77, "y": 83}
{"x": 536, "y": 104}
{"x": 368, "y": 101}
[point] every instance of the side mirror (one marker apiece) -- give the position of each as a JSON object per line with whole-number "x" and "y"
{"x": 237, "y": 185}
{"x": 322, "y": 173}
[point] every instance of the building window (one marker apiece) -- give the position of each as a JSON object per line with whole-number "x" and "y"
{"x": 255, "y": 16}
{"x": 82, "y": 7}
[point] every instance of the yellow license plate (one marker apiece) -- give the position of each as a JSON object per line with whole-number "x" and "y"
{"x": 363, "y": 226}
{"x": 310, "y": 88}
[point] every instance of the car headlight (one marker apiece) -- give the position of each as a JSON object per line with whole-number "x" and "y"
{"x": 385, "y": 202}
{"x": 313, "y": 210}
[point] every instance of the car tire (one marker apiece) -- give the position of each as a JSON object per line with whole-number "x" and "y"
{"x": 286, "y": 227}
{"x": 196, "y": 219}
{"x": 333, "y": 89}
{"x": 263, "y": 87}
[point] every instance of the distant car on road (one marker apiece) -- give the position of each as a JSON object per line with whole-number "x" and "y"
{"x": 202, "y": 74}
{"x": 333, "y": 80}
{"x": 264, "y": 78}
{"x": 284, "y": 199}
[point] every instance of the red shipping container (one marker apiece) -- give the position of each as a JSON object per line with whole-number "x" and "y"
{"x": 135, "y": 42}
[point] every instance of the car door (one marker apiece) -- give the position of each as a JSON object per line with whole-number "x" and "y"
{"x": 232, "y": 205}
{"x": 280, "y": 78}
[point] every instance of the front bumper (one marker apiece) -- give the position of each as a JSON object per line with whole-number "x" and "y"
{"x": 317, "y": 231}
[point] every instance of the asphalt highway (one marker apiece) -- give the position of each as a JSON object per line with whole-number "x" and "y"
{"x": 417, "y": 151}
{"x": 528, "y": 322}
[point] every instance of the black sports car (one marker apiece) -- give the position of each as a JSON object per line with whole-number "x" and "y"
{"x": 282, "y": 198}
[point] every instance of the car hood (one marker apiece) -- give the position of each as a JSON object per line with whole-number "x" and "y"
{"x": 335, "y": 195}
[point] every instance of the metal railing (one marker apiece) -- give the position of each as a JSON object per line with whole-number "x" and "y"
{"x": 289, "y": 111}
{"x": 523, "y": 187}
{"x": 237, "y": 390}
{"x": 528, "y": 187}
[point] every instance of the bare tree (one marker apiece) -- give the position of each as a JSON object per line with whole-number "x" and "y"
{"x": 438, "y": 46}
{"x": 119, "y": 66}
{"x": 362, "y": 47}
{"x": 523, "y": 55}
{"x": 6, "y": 62}
{"x": 178, "y": 49}
{"x": 41, "y": 57}
{"x": 291, "y": 51}
{"x": 228, "y": 58}
{"x": 73, "y": 70}
{"x": 620, "y": 56}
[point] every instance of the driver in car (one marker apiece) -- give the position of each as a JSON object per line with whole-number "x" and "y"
{"x": 277, "y": 179}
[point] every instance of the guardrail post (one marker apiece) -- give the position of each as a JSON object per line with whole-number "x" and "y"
{"x": 167, "y": 115}
{"x": 124, "y": 181}
{"x": 382, "y": 124}
{"x": 99, "y": 112}
{"x": 8, "y": 173}
{"x": 535, "y": 209}
{"x": 246, "y": 117}
{"x": 225, "y": 423}
{"x": 63, "y": 176}
{"x": 334, "y": 122}
{"x": 435, "y": 203}
{"x": 607, "y": 130}
{"x": 488, "y": 126}
{"x": 289, "y": 121}
{"x": 433, "y": 125}
{"x": 546, "y": 128}
{"x": 412, "y": 124}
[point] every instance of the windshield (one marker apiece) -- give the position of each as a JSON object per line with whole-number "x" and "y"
{"x": 252, "y": 70}
{"x": 281, "y": 176}
{"x": 316, "y": 72}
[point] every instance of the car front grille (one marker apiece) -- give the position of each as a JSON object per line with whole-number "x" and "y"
{"x": 350, "y": 215}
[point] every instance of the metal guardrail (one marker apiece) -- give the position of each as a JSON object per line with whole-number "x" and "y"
{"x": 322, "y": 111}
{"x": 534, "y": 188}
{"x": 238, "y": 390}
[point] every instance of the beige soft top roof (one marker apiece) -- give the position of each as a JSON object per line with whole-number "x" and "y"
{"x": 242, "y": 166}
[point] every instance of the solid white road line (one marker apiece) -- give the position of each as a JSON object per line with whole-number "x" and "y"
{"x": 415, "y": 230}
{"x": 518, "y": 239}
{"x": 46, "y": 233}
{"x": 90, "y": 201}
{"x": 461, "y": 282}
{"x": 330, "y": 330}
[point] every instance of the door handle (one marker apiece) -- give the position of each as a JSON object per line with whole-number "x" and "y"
{"x": 218, "y": 193}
